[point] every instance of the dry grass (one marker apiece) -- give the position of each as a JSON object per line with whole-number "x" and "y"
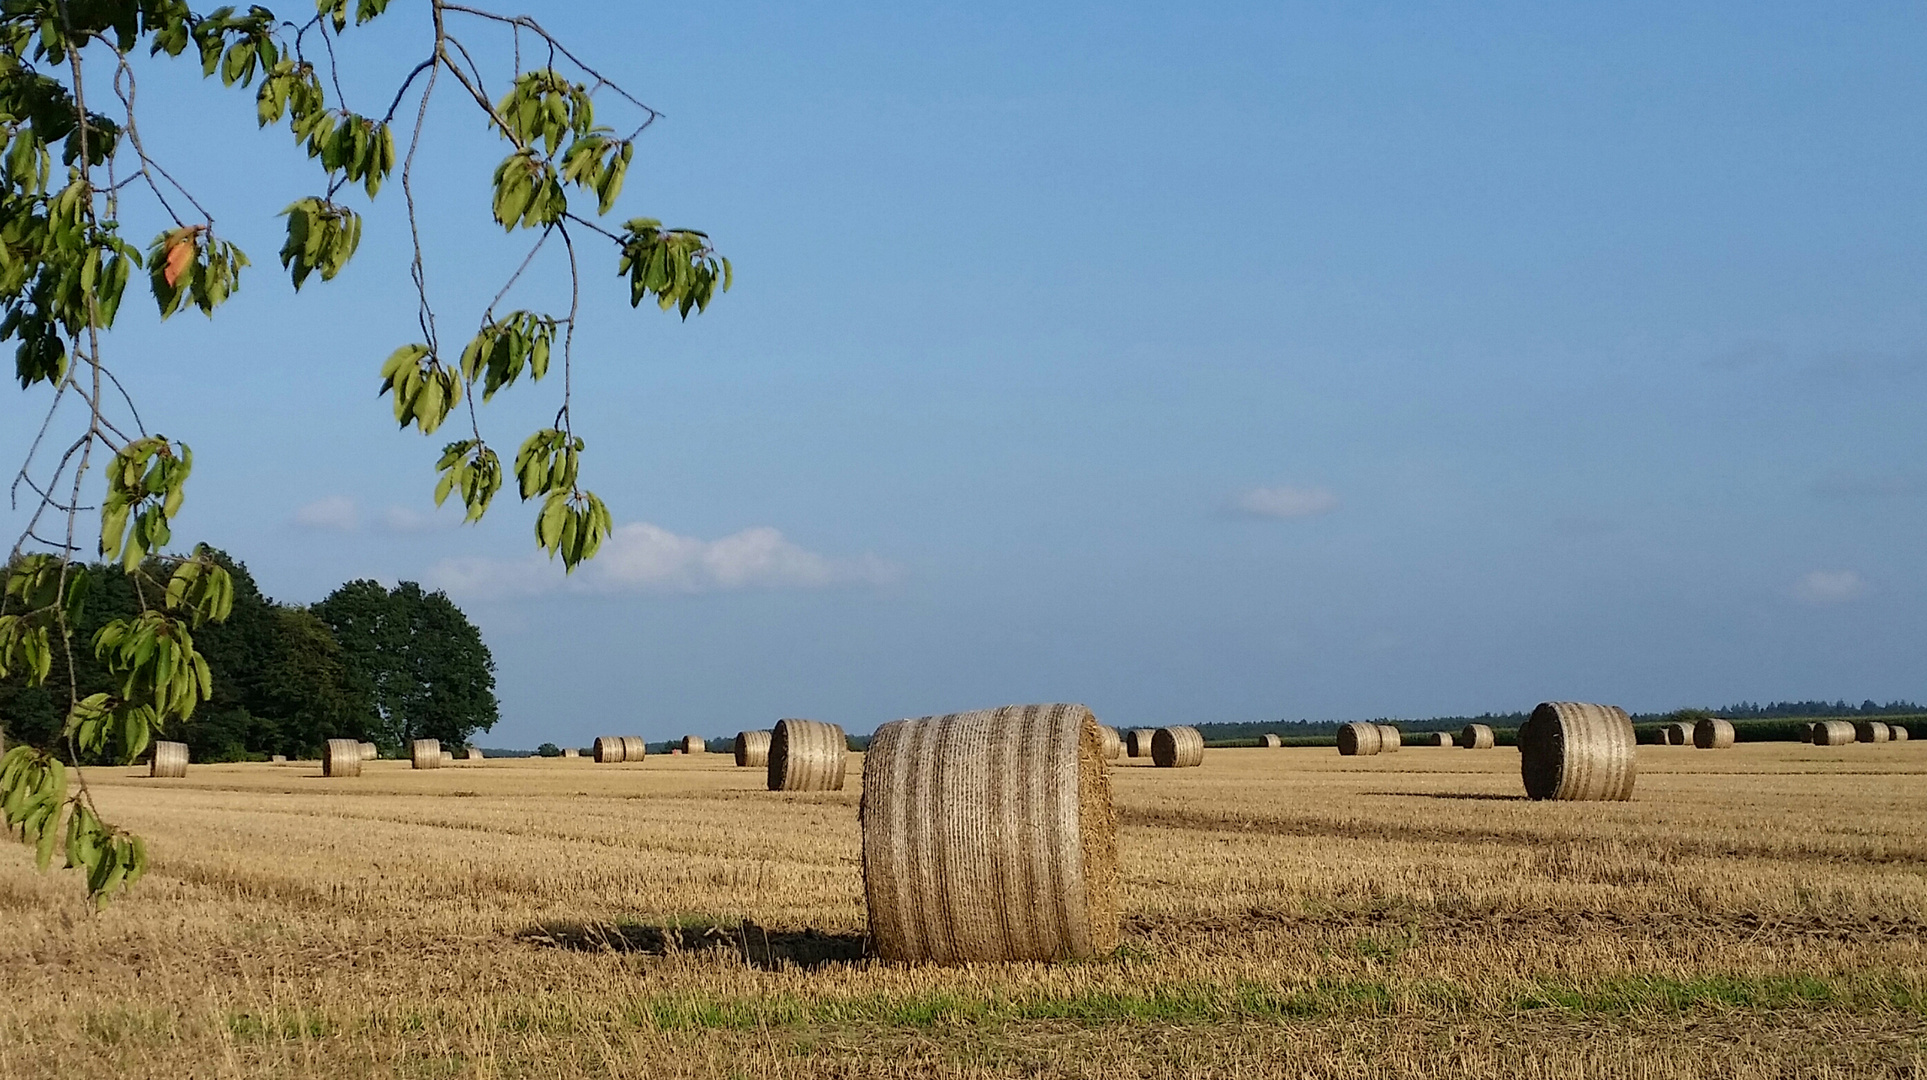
{"x": 1287, "y": 913}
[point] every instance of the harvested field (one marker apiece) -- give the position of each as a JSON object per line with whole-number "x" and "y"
{"x": 1758, "y": 912}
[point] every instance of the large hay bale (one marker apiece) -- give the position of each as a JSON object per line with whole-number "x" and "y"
{"x": 1478, "y": 737}
{"x": 369, "y": 751}
{"x": 1389, "y": 739}
{"x": 609, "y": 749}
{"x": 752, "y": 749}
{"x": 634, "y": 748}
{"x": 426, "y": 754}
{"x": 474, "y": 754}
{"x": 1177, "y": 748}
{"x": 169, "y": 760}
{"x": 1713, "y": 733}
{"x": 807, "y": 755}
{"x": 1833, "y": 733}
{"x": 1441, "y": 738}
{"x": 1360, "y": 740}
{"x": 693, "y": 744}
{"x": 1271, "y": 742}
{"x": 1897, "y": 733}
{"x": 1571, "y": 750}
{"x": 1113, "y": 742}
{"x": 1871, "y": 731}
{"x": 341, "y": 757}
{"x": 1137, "y": 742}
{"x": 989, "y": 836}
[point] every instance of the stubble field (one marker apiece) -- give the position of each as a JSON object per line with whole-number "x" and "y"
{"x": 1288, "y": 913}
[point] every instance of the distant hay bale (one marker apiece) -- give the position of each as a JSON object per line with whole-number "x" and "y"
{"x": 693, "y": 744}
{"x": 474, "y": 754}
{"x": 1360, "y": 740}
{"x": 1177, "y": 748}
{"x": 1389, "y": 739}
{"x": 427, "y": 754}
{"x": 571, "y": 752}
{"x": 1571, "y": 750}
{"x": 279, "y": 759}
{"x": 1833, "y": 733}
{"x": 448, "y": 757}
{"x": 169, "y": 761}
{"x": 989, "y": 836}
{"x": 1897, "y": 733}
{"x": 1478, "y": 737}
{"x": 1137, "y": 741}
{"x": 1713, "y": 733}
{"x": 1679, "y": 734}
{"x": 676, "y": 750}
{"x": 1871, "y": 731}
{"x": 1271, "y": 742}
{"x": 341, "y": 757}
{"x": 633, "y": 748}
{"x": 1113, "y": 742}
{"x": 807, "y": 755}
{"x": 752, "y": 749}
{"x": 369, "y": 751}
{"x": 1811, "y": 728}
{"x": 1441, "y": 738}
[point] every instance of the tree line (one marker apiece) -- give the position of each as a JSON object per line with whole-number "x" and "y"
{"x": 369, "y": 663}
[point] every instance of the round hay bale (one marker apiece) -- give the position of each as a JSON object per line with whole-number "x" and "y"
{"x": 609, "y": 749}
{"x": 571, "y": 752}
{"x": 1570, "y": 750}
{"x": 474, "y": 754}
{"x": 448, "y": 757}
{"x": 169, "y": 760}
{"x": 633, "y": 748}
{"x": 1713, "y": 733}
{"x": 1389, "y": 739}
{"x": 1441, "y": 738}
{"x": 752, "y": 749}
{"x": 341, "y": 757}
{"x": 1272, "y": 742}
{"x": 1177, "y": 748}
{"x": 1679, "y": 734}
{"x": 989, "y": 836}
{"x": 1833, "y": 733}
{"x": 279, "y": 759}
{"x": 1360, "y": 740}
{"x": 1811, "y": 728}
{"x": 676, "y": 750}
{"x": 1871, "y": 731}
{"x": 1137, "y": 742}
{"x": 1897, "y": 733}
{"x": 807, "y": 755}
{"x": 1113, "y": 742}
{"x": 693, "y": 744}
{"x": 369, "y": 751}
{"x": 426, "y": 754}
{"x": 1478, "y": 737}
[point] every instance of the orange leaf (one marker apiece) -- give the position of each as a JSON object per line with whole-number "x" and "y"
{"x": 179, "y": 254}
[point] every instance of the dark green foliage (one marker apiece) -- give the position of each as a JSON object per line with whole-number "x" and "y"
{"x": 548, "y": 749}
{"x": 416, "y": 659}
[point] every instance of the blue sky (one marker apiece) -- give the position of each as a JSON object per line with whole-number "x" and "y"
{"x": 1224, "y": 363}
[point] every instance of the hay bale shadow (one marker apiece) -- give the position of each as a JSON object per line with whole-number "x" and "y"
{"x": 757, "y": 946}
{"x": 1478, "y": 795}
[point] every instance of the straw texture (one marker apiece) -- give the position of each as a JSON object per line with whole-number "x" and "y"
{"x": 633, "y": 748}
{"x": 1712, "y": 733}
{"x": 1113, "y": 742}
{"x": 474, "y": 754}
{"x": 170, "y": 760}
{"x": 752, "y": 749}
{"x": 989, "y": 836}
{"x": 279, "y": 759}
{"x": 693, "y": 744}
{"x": 807, "y": 755}
{"x": 448, "y": 757}
{"x": 1360, "y": 740}
{"x": 1833, "y": 733}
{"x": 1441, "y": 738}
{"x": 1273, "y": 742}
{"x": 1478, "y": 737}
{"x": 1389, "y": 739}
{"x": 427, "y": 754}
{"x": 609, "y": 749}
{"x": 1177, "y": 748}
{"x": 1871, "y": 731}
{"x": 369, "y": 751}
{"x": 1137, "y": 742}
{"x": 1570, "y": 750}
{"x": 341, "y": 757}
{"x": 571, "y": 752}
{"x": 1679, "y": 734}
{"x": 1898, "y": 733}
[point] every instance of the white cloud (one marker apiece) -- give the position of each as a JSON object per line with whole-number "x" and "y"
{"x": 640, "y": 557}
{"x": 1830, "y": 587}
{"x": 335, "y": 513}
{"x": 401, "y": 519}
{"x": 1285, "y": 502}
